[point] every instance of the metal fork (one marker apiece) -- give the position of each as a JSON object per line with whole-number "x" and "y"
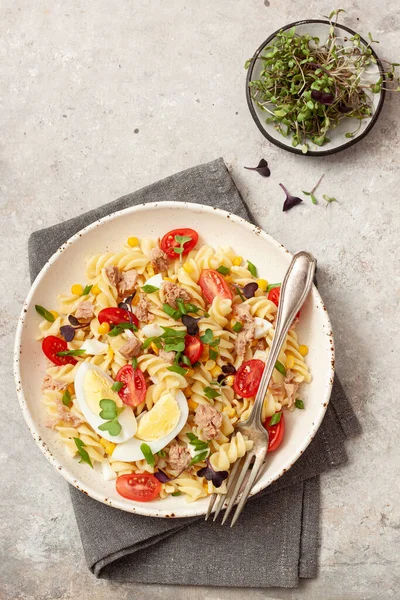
{"x": 294, "y": 290}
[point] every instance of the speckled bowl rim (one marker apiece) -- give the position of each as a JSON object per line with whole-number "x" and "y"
{"x": 146, "y": 510}
{"x": 288, "y": 147}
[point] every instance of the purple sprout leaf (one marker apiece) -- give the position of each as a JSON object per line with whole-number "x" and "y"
{"x": 290, "y": 200}
{"x": 162, "y": 477}
{"x": 250, "y": 289}
{"x": 73, "y": 320}
{"x": 344, "y": 109}
{"x": 68, "y": 332}
{"x": 316, "y": 95}
{"x": 262, "y": 168}
{"x": 217, "y": 477}
{"x": 123, "y": 305}
{"x": 229, "y": 369}
{"x": 327, "y": 98}
{"x": 191, "y": 324}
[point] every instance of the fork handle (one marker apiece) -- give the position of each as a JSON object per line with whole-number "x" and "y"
{"x": 294, "y": 290}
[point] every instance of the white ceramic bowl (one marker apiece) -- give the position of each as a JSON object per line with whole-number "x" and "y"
{"x": 215, "y": 227}
{"x": 338, "y": 141}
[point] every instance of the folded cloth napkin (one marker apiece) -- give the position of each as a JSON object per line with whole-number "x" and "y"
{"x": 275, "y": 542}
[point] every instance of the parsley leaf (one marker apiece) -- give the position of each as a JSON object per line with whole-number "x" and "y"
{"x": 109, "y": 409}
{"x": 213, "y": 354}
{"x": 181, "y": 239}
{"x": 44, "y": 313}
{"x": 207, "y": 337}
{"x": 82, "y": 452}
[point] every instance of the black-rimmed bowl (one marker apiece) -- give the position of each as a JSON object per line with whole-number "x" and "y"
{"x": 316, "y": 28}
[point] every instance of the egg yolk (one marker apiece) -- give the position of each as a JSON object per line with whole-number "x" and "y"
{"x": 160, "y": 420}
{"x": 96, "y": 388}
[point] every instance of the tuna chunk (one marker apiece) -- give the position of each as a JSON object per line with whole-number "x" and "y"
{"x": 142, "y": 310}
{"x": 124, "y": 281}
{"x": 85, "y": 311}
{"x": 291, "y": 387}
{"x": 53, "y": 384}
{"x": 179, "y": 457}
{"x": 246, "y": 335}
{"x": 65, "y": 415}
{"x": 170, "y": 292}
{"x": 131, "y": 348}
{"x": 168, "y": 357}
{"x": 209, "y": 419}
{"x": 159, "y": 260}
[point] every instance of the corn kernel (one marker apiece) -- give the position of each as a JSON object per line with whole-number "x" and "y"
{"x": 228, "y": 279}
{"x": 205, "y": 486}
{"x": 188, "y": 267}
{"x": 55, "y": 314}
{"x": 262, "y": 284}
{"x": 96, "y": 290}
{"x": 216, "y": 371}
{"x": 133, "y": 241}
{"x": 190, "y": 373}
{"x": 237, "y": 261}
{"x": 104, "y": 328}
{"x": 150, "y": 271}
{"x": 103, "y": 442}
{"x": 210, "y": 364}
{"x": 77, "y": 289}
{"x": 229, "y": 380}
{"x": 229, "y": 410}
{"x": 192, "y": 404}
{"x": 289, "y": 361}
{"x": 154, "y": 348}
{"x": 136, "y": 300}
{"x": 187, "y": 391}
{"x": 71, "y": 389}
{"x": 205, "y": 354}
{"x": 109, "y": 447}
{"x": 254, "y": 343}
{"x": 303, "y": 350}
{"x": 168, "y": 279}
{"x": 111, "y": 353}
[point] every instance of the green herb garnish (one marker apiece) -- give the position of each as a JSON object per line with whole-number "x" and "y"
{"x": 237, "y": 327}
{"x": 176, "y": 494}
{"x": 147, "y": 453}
{"x": 273, "y": 286}
{"x": 213, "y": 354}
{"x": 66, "y": 398}
{"x": 118, "y": 329}
{"x": 71, "y": 353}
{"x": 171, "y": 311}
{"x": 150, "y": 289}
{"x": 87, "y": 289}
{"x": 181, "y": 306}
{"x": 240, "y": 293}
{"x": 44, "y": 313}
{"x": 328, "y": 199}
{"x": 155, "y": 339}
{"x": 207, "y": 337}
{"x": 223, "y": 270}
{"x": 311, "y": 194}
{"x": 134, "y": 363}
{"x": 210, "y": 393}
{"x": 177, "y": 369}
{"x": 117, "y": 386}
{"x": 82, "y": 452}
{"x": 194, "y": 441}
{"x": 192, "y": 308}
{"x": 299, "y": 403}
{"x": 198, "y": 458}
{"x": 275, "y": 419}
{"x": 252, "y": 268}
{"x": 185, "y": 360}
{"x": 181, "y": 239}
{"x": 279, "y": 367}
{"x": 110, "y": 411}
{"x": 161, "y": 453}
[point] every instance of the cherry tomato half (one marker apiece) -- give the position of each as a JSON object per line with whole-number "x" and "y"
{"x": 274, "y": 296}
{"x": 193, "y": 348}
{"x": 213, "y": 284}
{"x": 115, "y": 316}
{"x": 168, "y": 242}
{"x": 51, "y": 345}
{"x": 141, "y": 487}
{"x": 134, "y": 391}
{"x": 248, "y": 377}
{"x": 276, "y": 433}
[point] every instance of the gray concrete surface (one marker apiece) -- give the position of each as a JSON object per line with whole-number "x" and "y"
{"x": 99, "y": 98}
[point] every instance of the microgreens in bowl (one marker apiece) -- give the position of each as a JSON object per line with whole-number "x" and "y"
{"x": 308, "y": 86}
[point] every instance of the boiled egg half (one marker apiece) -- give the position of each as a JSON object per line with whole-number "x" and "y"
{"x": 157, "y": 427}
{"x": 92, "y": 384}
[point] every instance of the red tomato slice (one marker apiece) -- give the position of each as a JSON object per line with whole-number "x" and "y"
{"x": 276, "y": 433}
{"x": 193, "y": 348}
{"x": 134, "y": 391}
{"x": 274, "y": 296}
{"x": 115, "y": 316}
{"x": 141, "y": 487}
{"x": 51, "y": 345}
{"x": 168, "y": 242}
{"x": 248, "y": 377}
{"x": 213, "y": 284}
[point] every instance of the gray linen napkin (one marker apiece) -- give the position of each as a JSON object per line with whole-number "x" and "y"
{"x": 279, "y": 526}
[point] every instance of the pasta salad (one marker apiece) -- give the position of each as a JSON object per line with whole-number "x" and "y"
{"x": 153, "y": 362}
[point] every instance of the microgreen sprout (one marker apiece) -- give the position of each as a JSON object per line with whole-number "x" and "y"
{"x": 312, "y": 193}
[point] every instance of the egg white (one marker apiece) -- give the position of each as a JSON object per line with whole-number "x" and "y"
{"x": 130, "y": 450}
{"x": 126, "y": 418}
